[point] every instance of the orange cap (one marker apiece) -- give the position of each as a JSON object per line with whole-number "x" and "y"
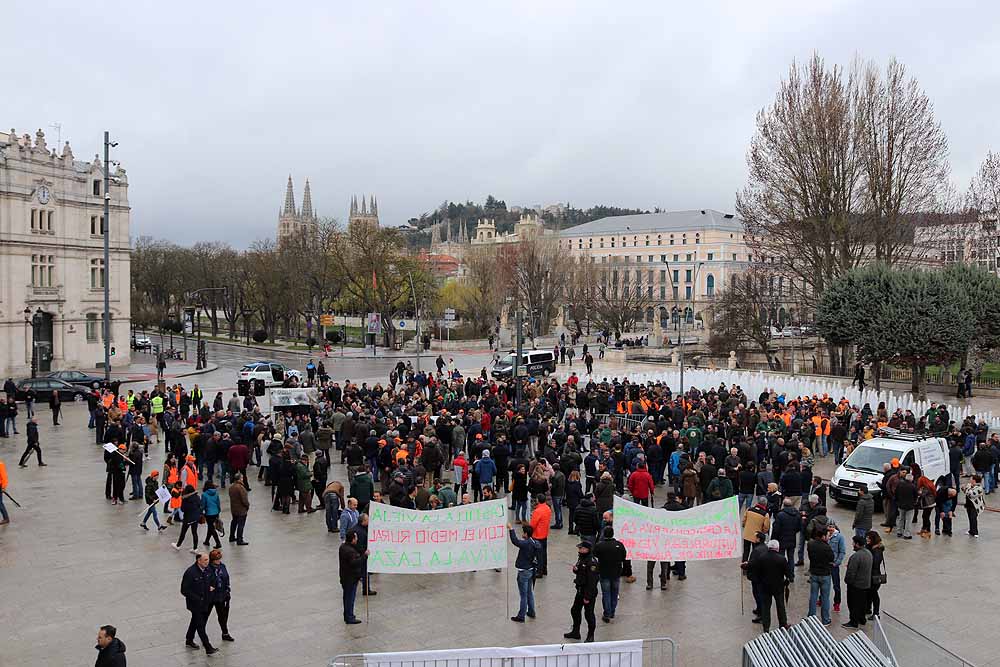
{"x": 189, "y": 458}
{"x": 155, "y": 473}
{"x": 895, "y": 463}
{"x": 121, "y": 446}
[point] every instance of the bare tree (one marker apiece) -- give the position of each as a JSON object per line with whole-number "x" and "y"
{"x": 745, "y": 312}
{"x": 539, "y": 271}
{"x": 904, "y": 152}
{"x": 487, "y": 278}
{"x": 622, "y": 293}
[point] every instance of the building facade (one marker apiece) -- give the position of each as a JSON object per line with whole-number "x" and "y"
{"x": 52, "y": 258}
{"x": 681, "y": 259}
{"x": 293, "y": 223}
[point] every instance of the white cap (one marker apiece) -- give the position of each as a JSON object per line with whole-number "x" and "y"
{"x": 773, "y": 545}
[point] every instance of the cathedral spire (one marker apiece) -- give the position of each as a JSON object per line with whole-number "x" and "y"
{"x": 289, "y": 208}
{"x": 307, "y": 203}
{"x": 364, "y": 205}
{"x": 374, "y": 210}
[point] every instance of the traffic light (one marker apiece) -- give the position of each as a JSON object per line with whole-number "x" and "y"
{"x": 112, "y": 350}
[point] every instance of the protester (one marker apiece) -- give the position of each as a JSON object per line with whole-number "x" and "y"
{"x": 858, "y": 579}
{"x": 222, "y": 592}
{"x": 239, "y": 507}
{"x": 110, "y": 649}
{"x": 198, "y": 591}
{"x": 351, "y": 572}
{"x": 528, "y": 550}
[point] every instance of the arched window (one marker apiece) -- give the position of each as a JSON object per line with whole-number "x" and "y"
{"x": 710, "y": 285}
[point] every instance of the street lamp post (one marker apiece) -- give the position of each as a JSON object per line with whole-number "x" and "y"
{"x": 246, "y": 313}
{"x": 680, "y": 339}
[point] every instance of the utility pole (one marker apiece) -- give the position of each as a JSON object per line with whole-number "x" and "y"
{"x": 107, "y": 258}
{"x": 416, "y": 313}
{"x": 517, "y": 360}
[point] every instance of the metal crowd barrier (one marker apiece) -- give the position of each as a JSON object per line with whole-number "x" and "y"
{"x": 809, "y": 644}
{"x": 907, "y": 647}
{"x": 656, "y": 652}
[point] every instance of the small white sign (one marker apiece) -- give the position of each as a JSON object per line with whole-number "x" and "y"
{"x": 163, "y": 494}
{"x": 110, "y": 447}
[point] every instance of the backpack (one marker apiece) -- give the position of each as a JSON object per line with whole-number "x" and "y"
{"x": 926, "y": 498}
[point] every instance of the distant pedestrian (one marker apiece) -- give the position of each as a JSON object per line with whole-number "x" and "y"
{"x": 110, "y": 649}
{"x": 33, "y": 444}
{"x": 191, "y": 513}
{"x": 152, "y": 485}
{"x": 55, "y": 405}
{"x": 239, "y": 506}
{"x": 858, "y": 579}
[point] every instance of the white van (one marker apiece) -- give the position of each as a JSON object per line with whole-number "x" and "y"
{"x": 535, "y": 362}
{"x": 864, "y": 465}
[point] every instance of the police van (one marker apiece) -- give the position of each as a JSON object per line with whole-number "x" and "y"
{"x": 537, "y": 362}
{"x": 865, "y": 464}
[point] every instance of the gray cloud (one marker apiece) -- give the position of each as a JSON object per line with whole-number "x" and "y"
{"x": 637, "y": 104}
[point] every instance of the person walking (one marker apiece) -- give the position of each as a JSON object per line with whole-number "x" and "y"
{"x": 906, "y": 503}
{"x": 820, "y": 574}
{"x": 610, "y": 554}
{"x": 239, "y": 507}
{"x": 211, "y": 508}
{"x": 858, "y": 579}
{"x": 222, "y": 592}
{"x": 351, "y": 570}
{"x": 152, "y": 485}
{"x": 33, "y": 444}
{"x": 110, "y": 649}
{"x": 771, "y": 572}
{"x": 528, "y": 550}
{"x": 197, "y": 589}
{"x": 585, "y": 580}
{"x": 191, "y": 514}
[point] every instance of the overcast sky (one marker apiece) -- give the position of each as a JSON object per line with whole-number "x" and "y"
{"x": 636, "y": 104}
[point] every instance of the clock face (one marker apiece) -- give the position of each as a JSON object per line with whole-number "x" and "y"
{"x": 43, "y": 195}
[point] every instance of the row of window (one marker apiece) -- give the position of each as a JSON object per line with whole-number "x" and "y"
{"x": 42, "y": 222}
{"x": 648, "y": 241}
{"x": 688, "y": 257}
{"x": 43, "y": 269}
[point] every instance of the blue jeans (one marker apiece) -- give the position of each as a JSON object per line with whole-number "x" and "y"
{"x": 819, "y": 589}
{"x": 521, "y": 510}
{"x": 3, "y": 510}
{"x": 860, "y": 532}
{"x": 609, "y": 595}
{"x": 90, "y": 424}
{"x": 525, "y": 590}
{"x": 137, "y": 485}
{"x": 557, "y": 510}
{"x": 12, "y": 425}
{"x": 332, "y": 516}
{"x": 745, "y": 500}
{"x": 350, "y": 594}
{"x": 151, "y": 512}
{"x": 822, "y": 445}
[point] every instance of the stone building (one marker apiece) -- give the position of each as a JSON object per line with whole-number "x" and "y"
{"x": 292, "y": 222}
{"x": 680, "y": 258}
{"x": 365, "y": 214}
{"x": 52, "y": 258}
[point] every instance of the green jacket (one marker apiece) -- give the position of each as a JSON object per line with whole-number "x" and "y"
{"x": 303, "y": 477}
{"x": 719, "y": 488}
{"x": 363, "y": 488}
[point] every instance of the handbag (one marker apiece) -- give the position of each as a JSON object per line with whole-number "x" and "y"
{"x": 201, "y": 519}
{"x": 883, "y": 578}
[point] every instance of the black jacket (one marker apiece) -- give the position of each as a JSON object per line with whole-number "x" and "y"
{"x": 610, "y": 554}
{"x": 352, "y": 564}
{"x": 586, "y": 518}
{"x": 770, "y": 571}
{"x": 786, "y": 527}
{"x": 906, "y": 495}
{"x": 820, "y": 558}
{"x": 586, "y": 576}
{"x": 112, "y": 655}
{"x": 194, "y": 588}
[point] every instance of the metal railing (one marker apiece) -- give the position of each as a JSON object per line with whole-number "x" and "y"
{"x": 656, "y": 652}
{"x": 809, "y": 644}
{"x": 908, "y": 647}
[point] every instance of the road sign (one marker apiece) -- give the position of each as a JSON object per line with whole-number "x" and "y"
{"x": 375, "y": 323}
{"x": 402, "y": 324}
{"x": 326, "y": 320}
{"x": 522, "y": 371}
{"x": 449, "y": 314}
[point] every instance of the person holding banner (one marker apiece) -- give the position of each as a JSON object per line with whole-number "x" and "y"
{"x": 352, "y": 569}
{"x": 528, "y": 550}
{"x": 152, "y": 499}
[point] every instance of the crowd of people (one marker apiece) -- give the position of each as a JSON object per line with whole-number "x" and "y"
{"x": 560, "y": 455}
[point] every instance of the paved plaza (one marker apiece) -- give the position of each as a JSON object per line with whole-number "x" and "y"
{"x": 70, "y": 561}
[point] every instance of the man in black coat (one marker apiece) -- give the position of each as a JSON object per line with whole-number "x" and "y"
{"x": 196, "y": 587}
{"x": 110, "y": 649}
{"x": 352, "y": 568}
{"x": 785, "y": 529}
{"x": 770, "y": 571}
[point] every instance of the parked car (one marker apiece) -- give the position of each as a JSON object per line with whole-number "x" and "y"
{"x": 78, "y": 378}
{"x": 271, "y": 372}
{"x": 536, "y": 362}
{"x": 45, "y": 386}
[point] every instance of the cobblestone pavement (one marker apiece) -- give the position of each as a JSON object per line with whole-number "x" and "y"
{"x": 70, "y": 561}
